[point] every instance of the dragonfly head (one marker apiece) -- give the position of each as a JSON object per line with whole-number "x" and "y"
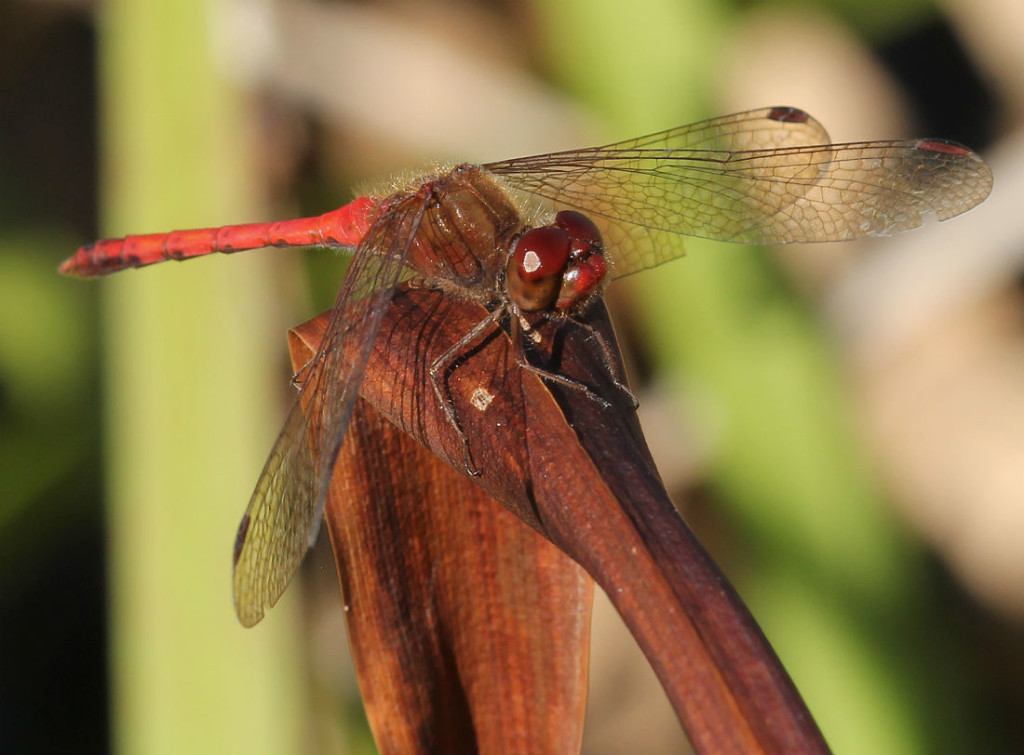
{"x": 556, "y": 266}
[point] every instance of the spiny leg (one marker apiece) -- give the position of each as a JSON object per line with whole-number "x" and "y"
{"x": 520, "y": 327}
{"x": 439, "y": 367}
{"x": 303, "y": 372}
{"x": 608, "y": 357}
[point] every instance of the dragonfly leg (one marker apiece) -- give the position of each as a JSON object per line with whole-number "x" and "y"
{"x": 303, "y": 373}
{"x": 439, "y": 369}
{"x": 520, "y": 326}
{"x": 609, "y": 362}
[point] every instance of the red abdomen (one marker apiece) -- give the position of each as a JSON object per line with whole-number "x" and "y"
{"x": 344, "y": 227}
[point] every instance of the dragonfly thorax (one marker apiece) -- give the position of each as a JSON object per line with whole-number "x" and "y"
{"x": 468, "y": 225}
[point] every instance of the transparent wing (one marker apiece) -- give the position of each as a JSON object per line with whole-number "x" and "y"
{"x": 286, "y": 508}
{"x": 762, "y": 177}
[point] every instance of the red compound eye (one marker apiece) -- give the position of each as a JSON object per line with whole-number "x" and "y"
{"x": 580, "y": 281}
{"x": 583, "y": 234}
{"x": 541, "y": 252}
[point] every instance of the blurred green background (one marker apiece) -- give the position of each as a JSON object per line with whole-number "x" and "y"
{"x": 841, "y": 424}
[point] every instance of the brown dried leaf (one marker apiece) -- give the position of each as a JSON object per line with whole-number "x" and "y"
{"x": 469, "y": 631}
{"x": 580, "y": 474}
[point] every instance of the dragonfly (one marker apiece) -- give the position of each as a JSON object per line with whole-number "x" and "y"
{"x": 542, "y": 235}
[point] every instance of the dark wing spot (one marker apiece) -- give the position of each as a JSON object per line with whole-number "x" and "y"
{"x": 788, "y": 115}
{"x": 940, "y": 145}
{"x": 243, "y": 530}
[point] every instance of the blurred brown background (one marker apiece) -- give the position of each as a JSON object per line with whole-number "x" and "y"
{"x": 841, "y": 424}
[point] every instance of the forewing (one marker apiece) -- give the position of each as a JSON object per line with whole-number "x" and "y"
{"x": 286, "y": 508}
{"x": 761, "y": 177}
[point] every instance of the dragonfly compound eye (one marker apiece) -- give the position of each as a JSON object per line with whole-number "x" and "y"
{"x": 584, "y": 238}
{"x": 541, "y": 253}
{"x": 535, "y": 267}
{"x": 587, "y": 267}
{"x": 580, "y": 281}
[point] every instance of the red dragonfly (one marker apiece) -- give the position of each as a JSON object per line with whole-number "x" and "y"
{"x": 541, "y": 235}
